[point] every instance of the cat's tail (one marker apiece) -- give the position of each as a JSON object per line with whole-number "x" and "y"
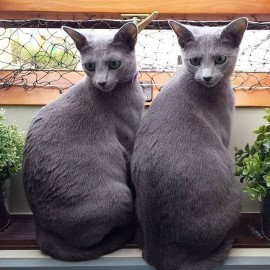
{"x": 54, "y": 246}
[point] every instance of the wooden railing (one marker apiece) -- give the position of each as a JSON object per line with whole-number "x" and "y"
{"x": 187, "y": 8}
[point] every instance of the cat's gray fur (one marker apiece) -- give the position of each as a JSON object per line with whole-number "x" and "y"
{"x": 187, "y": 200}
{"x": 78, "y": 150}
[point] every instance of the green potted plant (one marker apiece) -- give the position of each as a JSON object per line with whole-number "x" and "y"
{"x": 11, "y": 148}
{"x": 253, "y": 167}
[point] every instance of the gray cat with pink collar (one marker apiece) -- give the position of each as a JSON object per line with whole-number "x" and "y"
{"x": 78, "y": 149}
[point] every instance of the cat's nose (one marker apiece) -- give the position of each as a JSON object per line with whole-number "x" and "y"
{"x": 102, "y": 83}
{"x": 207, "y": 79}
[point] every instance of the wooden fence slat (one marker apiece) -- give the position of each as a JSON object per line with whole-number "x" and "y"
{"x": 139, "y": 6}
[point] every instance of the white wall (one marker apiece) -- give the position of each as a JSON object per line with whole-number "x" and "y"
{"x": 245, "y": 120}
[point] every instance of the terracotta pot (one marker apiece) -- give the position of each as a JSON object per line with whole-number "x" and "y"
{"x": 4, "y": 215}
{"x": 265, "y": 216}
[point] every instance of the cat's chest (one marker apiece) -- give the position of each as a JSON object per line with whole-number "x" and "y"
{"x": 126, "y": 116}
{"x": 205, "y": 116}
{"x": 215, "y": 113}
{"x": 88, "y": 116}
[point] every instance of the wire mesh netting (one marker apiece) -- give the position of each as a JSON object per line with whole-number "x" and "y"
{"x": 38, "y": 53}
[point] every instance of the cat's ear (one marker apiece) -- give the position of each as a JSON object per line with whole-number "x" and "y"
{"x": 183, "y": 34}
{"x": 127, "y": 35}
{"x": 234, "y": 31}
{"x": 79, "y": 39}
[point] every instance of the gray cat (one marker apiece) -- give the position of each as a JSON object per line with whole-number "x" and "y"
{"x": 78, "y": 150}
{"x": 187, "y": 201}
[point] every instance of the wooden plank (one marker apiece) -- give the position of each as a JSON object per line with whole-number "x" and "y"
{"x": 41, "y": 96}
{"x": 252, "y": 98}
{"x": 19, "y": 96}
{"x": 20, "y": 234}
{"x": 45, "y": 92}
{"x": 58, "y": 15}
{"x": 139, "y": 6}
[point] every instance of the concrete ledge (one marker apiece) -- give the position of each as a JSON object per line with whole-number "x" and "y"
{"x": 125, "y": 259}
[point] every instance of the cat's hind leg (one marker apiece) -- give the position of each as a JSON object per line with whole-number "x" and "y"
{"x": 172, "y": 257}
{"x": 164, "y": 257}
{"x": 61, "y": 248}
{"x": 216, "y": 258}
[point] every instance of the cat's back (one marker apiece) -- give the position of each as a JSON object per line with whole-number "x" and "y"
{"x": 171, "y": 110}
{"x": 57, "y": 115}
{"x": 64, "y": 134}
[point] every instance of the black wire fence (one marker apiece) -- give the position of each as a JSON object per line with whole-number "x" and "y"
{"x": 38, "y": 53}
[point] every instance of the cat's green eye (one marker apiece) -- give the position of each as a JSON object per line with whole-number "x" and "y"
{"x": 195, "y": 61}
{"x": 114, "y": 64}
{"x": 220, "y": 59}
{"x": 91, "y": 66}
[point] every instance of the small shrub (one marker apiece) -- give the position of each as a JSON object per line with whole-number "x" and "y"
{"x": 253, "y": 162}
{"x": 11, "y": 148}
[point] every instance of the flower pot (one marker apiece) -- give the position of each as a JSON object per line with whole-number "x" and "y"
{"x": 265, "y": 216}
{"x": 4, "y": 215}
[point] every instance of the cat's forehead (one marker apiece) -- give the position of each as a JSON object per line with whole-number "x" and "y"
{"x": 206, "y": 47}
{"x": 100, "y": 48}
{"x": 97, "y": 39}
{"x": 207, "y": 42}
{"x": 205, "y": 31}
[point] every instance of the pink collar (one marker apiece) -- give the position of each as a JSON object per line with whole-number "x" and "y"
{"x": 131, "y": 79}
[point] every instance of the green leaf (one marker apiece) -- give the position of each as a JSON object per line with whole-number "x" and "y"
{"x": 260, "y": 129}
{"x": 256, "y": 146}
{"x": 268, "y": 184}
{"x": 267, "y": 110}
{"x": 257, "y": 130}
{"x": 260, "y": 137}
{"x": 267, "y": 129}
{"x": 266, "y": 179}
{"x": 239, "y": 162}
{"x": 266, "y": 144}
{"x": 255, "y": 190}
{"x": 266, "y": 161}
{"x": 247, "y": 148}
{"x": 253, "y": 150}
{"x": 267, "y": 117}
{"x": 240, "y": 152}
{"x": 238, "y": 171}
{"x": 256, "y": 157}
